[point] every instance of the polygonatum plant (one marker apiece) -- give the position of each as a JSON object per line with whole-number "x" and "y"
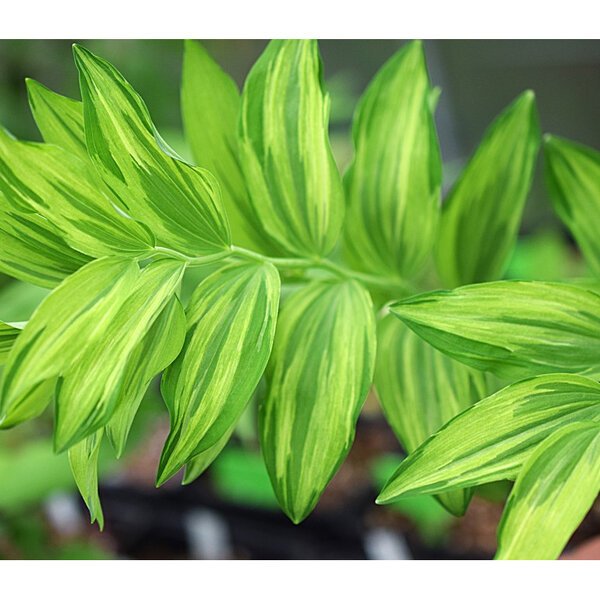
{"x": 313, "y": 287}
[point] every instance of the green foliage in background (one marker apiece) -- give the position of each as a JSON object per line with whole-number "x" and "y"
{"x": 307, "y": 283}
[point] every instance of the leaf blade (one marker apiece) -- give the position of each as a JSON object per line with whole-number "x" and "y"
{"x": 491, "y": 440}
{"x": 393, "y": 185}
{"x": 572, "y": 175}
{"x": 480, "y": 219}
{"x": 321, "y": 370}
{"x": 553, "y": 492}
{"x": 514, "y": 329}
{"x": 294, "y": 187}
{"x": 421, "y": 389}
{"x": 181, "y": 203}
{"x": 231, "y": 325}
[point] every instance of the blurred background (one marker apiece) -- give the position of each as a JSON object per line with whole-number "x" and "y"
{"x": 230, "y": 512}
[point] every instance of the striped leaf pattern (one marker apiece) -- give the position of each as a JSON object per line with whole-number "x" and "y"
{"x": 83, "y": 459}
{"x": 573, "y": 180}
{"x": 180, "y": 203}
{"x": 73, "y": 317}
{"x": 294, "y": 186}
{"x": 393, "y": 186}
{"x": 514, "y": 329}
{"x": 320, "y": 372}
{"x": 89, "y": 389}
{"x": 492, "y": 440}
{"x": 197, "y": 465}
{"x": 49, "y": 181}
{"x": 59, "y": 119}
{"x": 481, "y": 216}
{"x": 421, "y": 389}
{"x": 9, "y": 332}
{"x": 158, "y": 349}
{"x": 210, "y": 107}
{"x": 231, "y": 324}
{"x": 554, "y": 491}
{"x": 32, "y": 249}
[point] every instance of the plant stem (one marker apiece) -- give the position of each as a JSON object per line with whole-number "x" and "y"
{"x": 392, "y": 285}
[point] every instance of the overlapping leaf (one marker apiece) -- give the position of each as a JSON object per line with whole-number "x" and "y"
{"x": 197, "y": 465}
{"x": 83, "y": 459}
{"x": 180, "y": 203}
{"x": 210, "y": 107}
{"x": 90, "y": 388}
{"x": 9, "y": 332}
{"x": 49, "y": 181}
{"x": 481, "y": 216}
{"x": 554, "y": 491}
{"x": 71, "y": 318}
{"x": 321, "y": 370}
{"x": 32, "y": 249}
{"x": 393, "y": 186}
{"x": 158, "y": 349}
{"x": 512, "y": 328}
{"x": 491, "y": 440}
{"x": 59, "y": 119}
{"x": 421, "y": 389}
{"x": 231, "y": 324}
{"x": 573, "y": 180}
{"x": 294, "y": 186}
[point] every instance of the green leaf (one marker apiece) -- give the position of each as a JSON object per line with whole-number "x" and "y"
{"x": 573, "y": 180}
{"x": 9, "y": 332}
{"x": 231, "y": 324}
{"x": 156, "y": 352}
{"x": 554, "y": 491}
{"x": 393, "y": 186}
{"x": 514, "y": 329}
{"x": 294, "y": 186}
{"x": 491, "y": 440}
{"x": 197, "y": 465}
{"x": 70, "y": 319}
{"x": 32, "y": 249}
{"x": 319, "y": 376}
{"x": 59, "y": 119}
{"x": 90, "y": 388}
{"x": 210, "y": 107}
{"x": 180, "y": 203}
{"x": 421, "y": 389}
{"x": 481, "y": 216}
{"x": 83, "y": 459}
{"x": 45, "y": 179}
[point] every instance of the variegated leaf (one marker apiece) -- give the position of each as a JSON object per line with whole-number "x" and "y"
{"x": 45, "y": 179}
{"x": 72, "y": 317}
{"x": 554, "y": 491}
{"x": 512, "y": 328}
{"x": 210, "y": 107}
{"x": 156, "y": 352}
{"x": 393, "y": 186}
{"x": 90, "y": 388}
{"x": 491, "y": 440}
{"x": 9, "y": 332}
{"x": 421, "y": 389}
{"x": 197, "y": 465}
{"x": 573, "y": 180}
{"x": 320, "y": 372}
{"x": 32, "y": 249}
{"x": 481, "y": 216}
{"x": 294, "y": 186}
{"x": 83, "y": 459}
{"x": 59, "y": 119}
{"x": 180, "y": 203}
{"x": 231, "y": 323}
